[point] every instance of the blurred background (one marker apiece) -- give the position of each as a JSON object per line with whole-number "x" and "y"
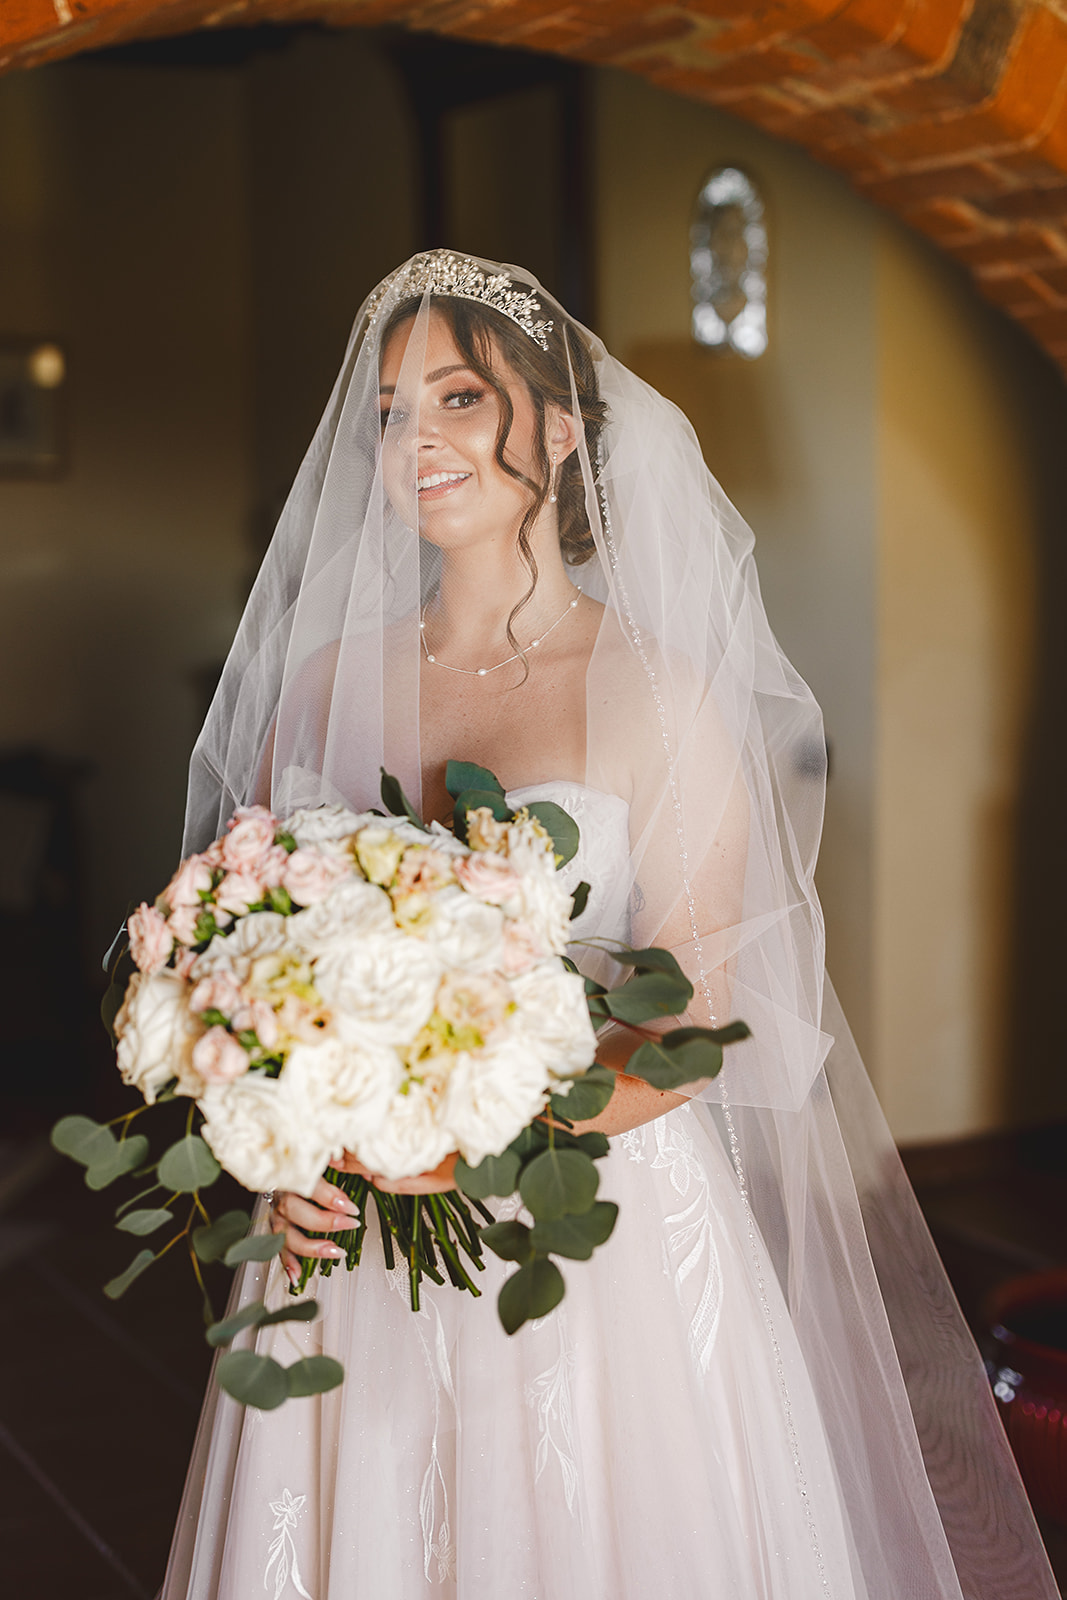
{"x": 187, "y": 227}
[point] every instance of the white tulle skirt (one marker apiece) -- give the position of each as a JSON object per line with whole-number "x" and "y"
{"x": 655, "y": 1437}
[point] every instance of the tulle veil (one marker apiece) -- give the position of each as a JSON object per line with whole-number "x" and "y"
{"x": 689, "y": 693}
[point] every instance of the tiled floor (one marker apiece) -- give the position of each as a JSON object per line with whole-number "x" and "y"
{"x": 99, "y": 1401}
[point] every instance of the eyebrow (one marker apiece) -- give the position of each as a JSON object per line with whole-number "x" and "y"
{"x": 431, "y": 377}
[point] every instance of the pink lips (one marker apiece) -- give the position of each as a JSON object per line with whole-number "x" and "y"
{"x": 439, "y": 490}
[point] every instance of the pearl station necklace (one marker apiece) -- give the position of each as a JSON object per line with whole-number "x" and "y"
{"x": 482, "y": 672}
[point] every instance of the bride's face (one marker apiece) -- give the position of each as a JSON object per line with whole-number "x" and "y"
{"x": 439, "y": 434}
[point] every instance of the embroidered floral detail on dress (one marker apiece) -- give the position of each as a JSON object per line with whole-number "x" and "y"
{"x": 281, "y": 1555}
{"x": 633, "y": 1142}
{"x": 690, "y": 1238}
{"x": 550, "y": 1396}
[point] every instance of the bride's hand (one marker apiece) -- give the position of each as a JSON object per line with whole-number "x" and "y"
{"x": 329, "y": 1209}
{"x": 439, "y": 1181}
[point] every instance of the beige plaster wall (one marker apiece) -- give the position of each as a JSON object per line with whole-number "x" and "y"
{"x": 791, "y": 437}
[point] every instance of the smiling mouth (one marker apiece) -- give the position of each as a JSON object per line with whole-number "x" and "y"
{"x": 434, "y": 484}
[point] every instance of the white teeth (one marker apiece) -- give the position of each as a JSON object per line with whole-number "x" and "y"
{"x": 434, "y": 478}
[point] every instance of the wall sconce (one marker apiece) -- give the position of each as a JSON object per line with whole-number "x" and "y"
{"x": 728, "y": 264}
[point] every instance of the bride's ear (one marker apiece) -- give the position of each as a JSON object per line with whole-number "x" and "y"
{"x": 561, "y": 432}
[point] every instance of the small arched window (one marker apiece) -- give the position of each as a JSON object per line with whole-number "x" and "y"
{"x": 728, "y": 263}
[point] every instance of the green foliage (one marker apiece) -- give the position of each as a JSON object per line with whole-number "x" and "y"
{"x": 461, "y": 775}
{"x": 650, "y": 994}
{"x": 557, "y": 1182}
{"x": 396, "y": 801}
{"x": 258, "y": 1247}
{"x": 509, "y": 1240}
{"x": 127, "y": 1155}
{"x": 142, "y": 1222}
{"x": 188, "y": 1165}
{"x": 256, "y": 1315}
{"x": 83, "y": 1139}
{"x": 494, "y": 1175}
{"x": 212, "y": 1241}
{"x": 253, "y": 1380}
{"x": 533, "y": 1291}
{"x": 118, "y": 1286}
{"x": 562, "y": 827}
{"x": 587, "y": 1097}
{"x": 313, "y": 1375}
{"x": 576, "y": 1236}
{"x": 579, "y": 901}
{"x": 473, "y": 800}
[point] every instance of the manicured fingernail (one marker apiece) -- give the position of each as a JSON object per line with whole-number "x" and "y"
{"x": 331, "y": 1250}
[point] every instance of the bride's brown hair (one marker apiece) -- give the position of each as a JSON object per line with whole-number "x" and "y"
{"x": 477, "y": 329}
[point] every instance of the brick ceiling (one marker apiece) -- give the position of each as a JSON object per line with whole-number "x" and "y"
{"x": 950, "y": 113}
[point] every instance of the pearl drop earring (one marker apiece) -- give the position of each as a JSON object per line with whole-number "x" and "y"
{"x": 553, "y": 496}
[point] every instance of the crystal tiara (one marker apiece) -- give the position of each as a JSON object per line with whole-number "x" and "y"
{"x": 441, "y": 272}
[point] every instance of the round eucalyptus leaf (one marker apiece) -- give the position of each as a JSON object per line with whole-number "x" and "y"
{"x": 531, "y": 1292}
{"x": 212, "y": 1241}
{"x": 461, "y": 775}
{"x": 83, "y": 1139}
{"x": 579, "y": 900}
{"x": 295, "y": 1311}
{"x": 119, "y": 1285}
{"x": 509, "y": 1240}
{"x": 651, "y": 994}
{"x": 188, "y": 1165}
{"x": 260, "y": 1247}
{"x": 126, "y": 1155}
{"x": 562, "y": 827}
{"x": 249, "y": 1316}
{"x": 587, "y": 1095}
{"x": 681, "y": 1056}
{"x": 558, "y": 1182}
{"x": 314, "y": 1375}
{"x": 576, "y": 1236}
{"x": 146, "y": 1221}
{"x": 495, "y": 1175}
{"x": 252, "y": 1380}
{"x": 651, "y": 960}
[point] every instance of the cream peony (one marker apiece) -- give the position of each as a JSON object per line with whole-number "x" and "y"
{"x": 218, "y": 1058}
{"x": 553, "y": 1019}
{"x": 348, "y": 1085}
{"x": 491, "y": 878}
{"x": 409, "y": 1139}
{"x": 491, "y": 1095}
{"x": 156, "y": 1033}
{"x": 353, "y": 910}
{"x": 385, "y": 984}
{"x": 464, "y": 931}
{"x": 262, "y": 1135}
{"x": 260, "y": 933}
{"x": 308, "y": 875}
{"x": 326, "y": 824}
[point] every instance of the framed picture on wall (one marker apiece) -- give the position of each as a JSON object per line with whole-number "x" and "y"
{"x": 32, "y": 381}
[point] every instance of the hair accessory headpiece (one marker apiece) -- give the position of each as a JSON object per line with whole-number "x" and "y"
{"x": 441, "y": 272}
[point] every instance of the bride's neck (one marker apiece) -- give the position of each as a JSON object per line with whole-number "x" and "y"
{"x": 481, "y": 587}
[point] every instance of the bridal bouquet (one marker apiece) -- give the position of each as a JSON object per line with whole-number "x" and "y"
{"x": 355, "y": 982}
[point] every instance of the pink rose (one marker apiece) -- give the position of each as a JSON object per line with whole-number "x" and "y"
{"x": 151, "y": 941}
{"x": 185, "y": 964}
{"x": 272, "y": 866}
{"x": 258, "y": 1017}
{"x": 219, "y": 992}
{"x": 490, "y": 877}
{"x": 250, "y": 836}
{"x": 184, "y": 888}
{"x": 182, "y": 923}
{"x": 309, "y": 875}
{"x": 238, "y": 891}
{"x": 423, "y": 871}
{"x": 522, "y": 947}
{"x": 218, "y": 1058}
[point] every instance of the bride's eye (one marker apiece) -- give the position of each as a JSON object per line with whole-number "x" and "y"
{"x": 392, "y": 417}
{"x": 460, "y": 399}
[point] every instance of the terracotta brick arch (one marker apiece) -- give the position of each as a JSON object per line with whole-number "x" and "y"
{"x": 951, "y": 113}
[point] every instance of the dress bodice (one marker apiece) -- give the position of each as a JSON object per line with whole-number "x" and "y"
{"x": 603, "y": 855}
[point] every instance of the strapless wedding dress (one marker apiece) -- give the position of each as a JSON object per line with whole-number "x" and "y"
{"x": 654, "y": 1438}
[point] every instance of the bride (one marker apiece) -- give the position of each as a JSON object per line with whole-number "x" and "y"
{"x": 504, "y": 548}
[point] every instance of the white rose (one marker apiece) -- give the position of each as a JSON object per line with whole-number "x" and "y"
{"x": 409, "y": 1140}
{"x": 464, "y": 931}
{"x": 262, "y": 1135}
{"x": 546, "y": 903}
{"x": 491, "y": 1095}
{"x": 261, "y": 933}
{"x": 386, "y": 984}
{"x": 325, "y": 824}
{"x": 348, "y": 1082}
{"x": 354, "y": 909}
{"x": 156, "y": 1032}
{"x": 443, "y": 838}
{"x": 553, "y": 1019}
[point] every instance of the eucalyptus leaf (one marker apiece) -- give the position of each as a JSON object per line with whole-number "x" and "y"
{"x": 142, "y": 1222}
{"x": 253, "y": 1380}
{"x": 83, "y": 1139}
{"x": 212, "y": 1241}
{"x": 562, "y": 827}
{"x": 188, "y": 1165}
{"x": 558, "y": 1182}
{"x": 249, "y": 1316}
{"x": 531, "y": 1292}
{"x": 576, "y": 1236}
{"x": 681, "y": 1056}
{"x": 509, "y": 1240}
{"x": 579, "y": 900}
{"x": 652, "y": 959}
{"x": 651, "y": 994}
{"x": 495, "y": 1175}
{"x": 314, "y": 1375}
{"x": 730, "y": 1033}
{"x": 118, "y": 1286}
{"x": 295, "y": 1311}
{"x": 126, "y": 1156}
{"x": 258, "y": 1247}
{"x": 396, "y": 801}
{"x": 460, "y": 775}
{"x": 587, "y": 1097}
